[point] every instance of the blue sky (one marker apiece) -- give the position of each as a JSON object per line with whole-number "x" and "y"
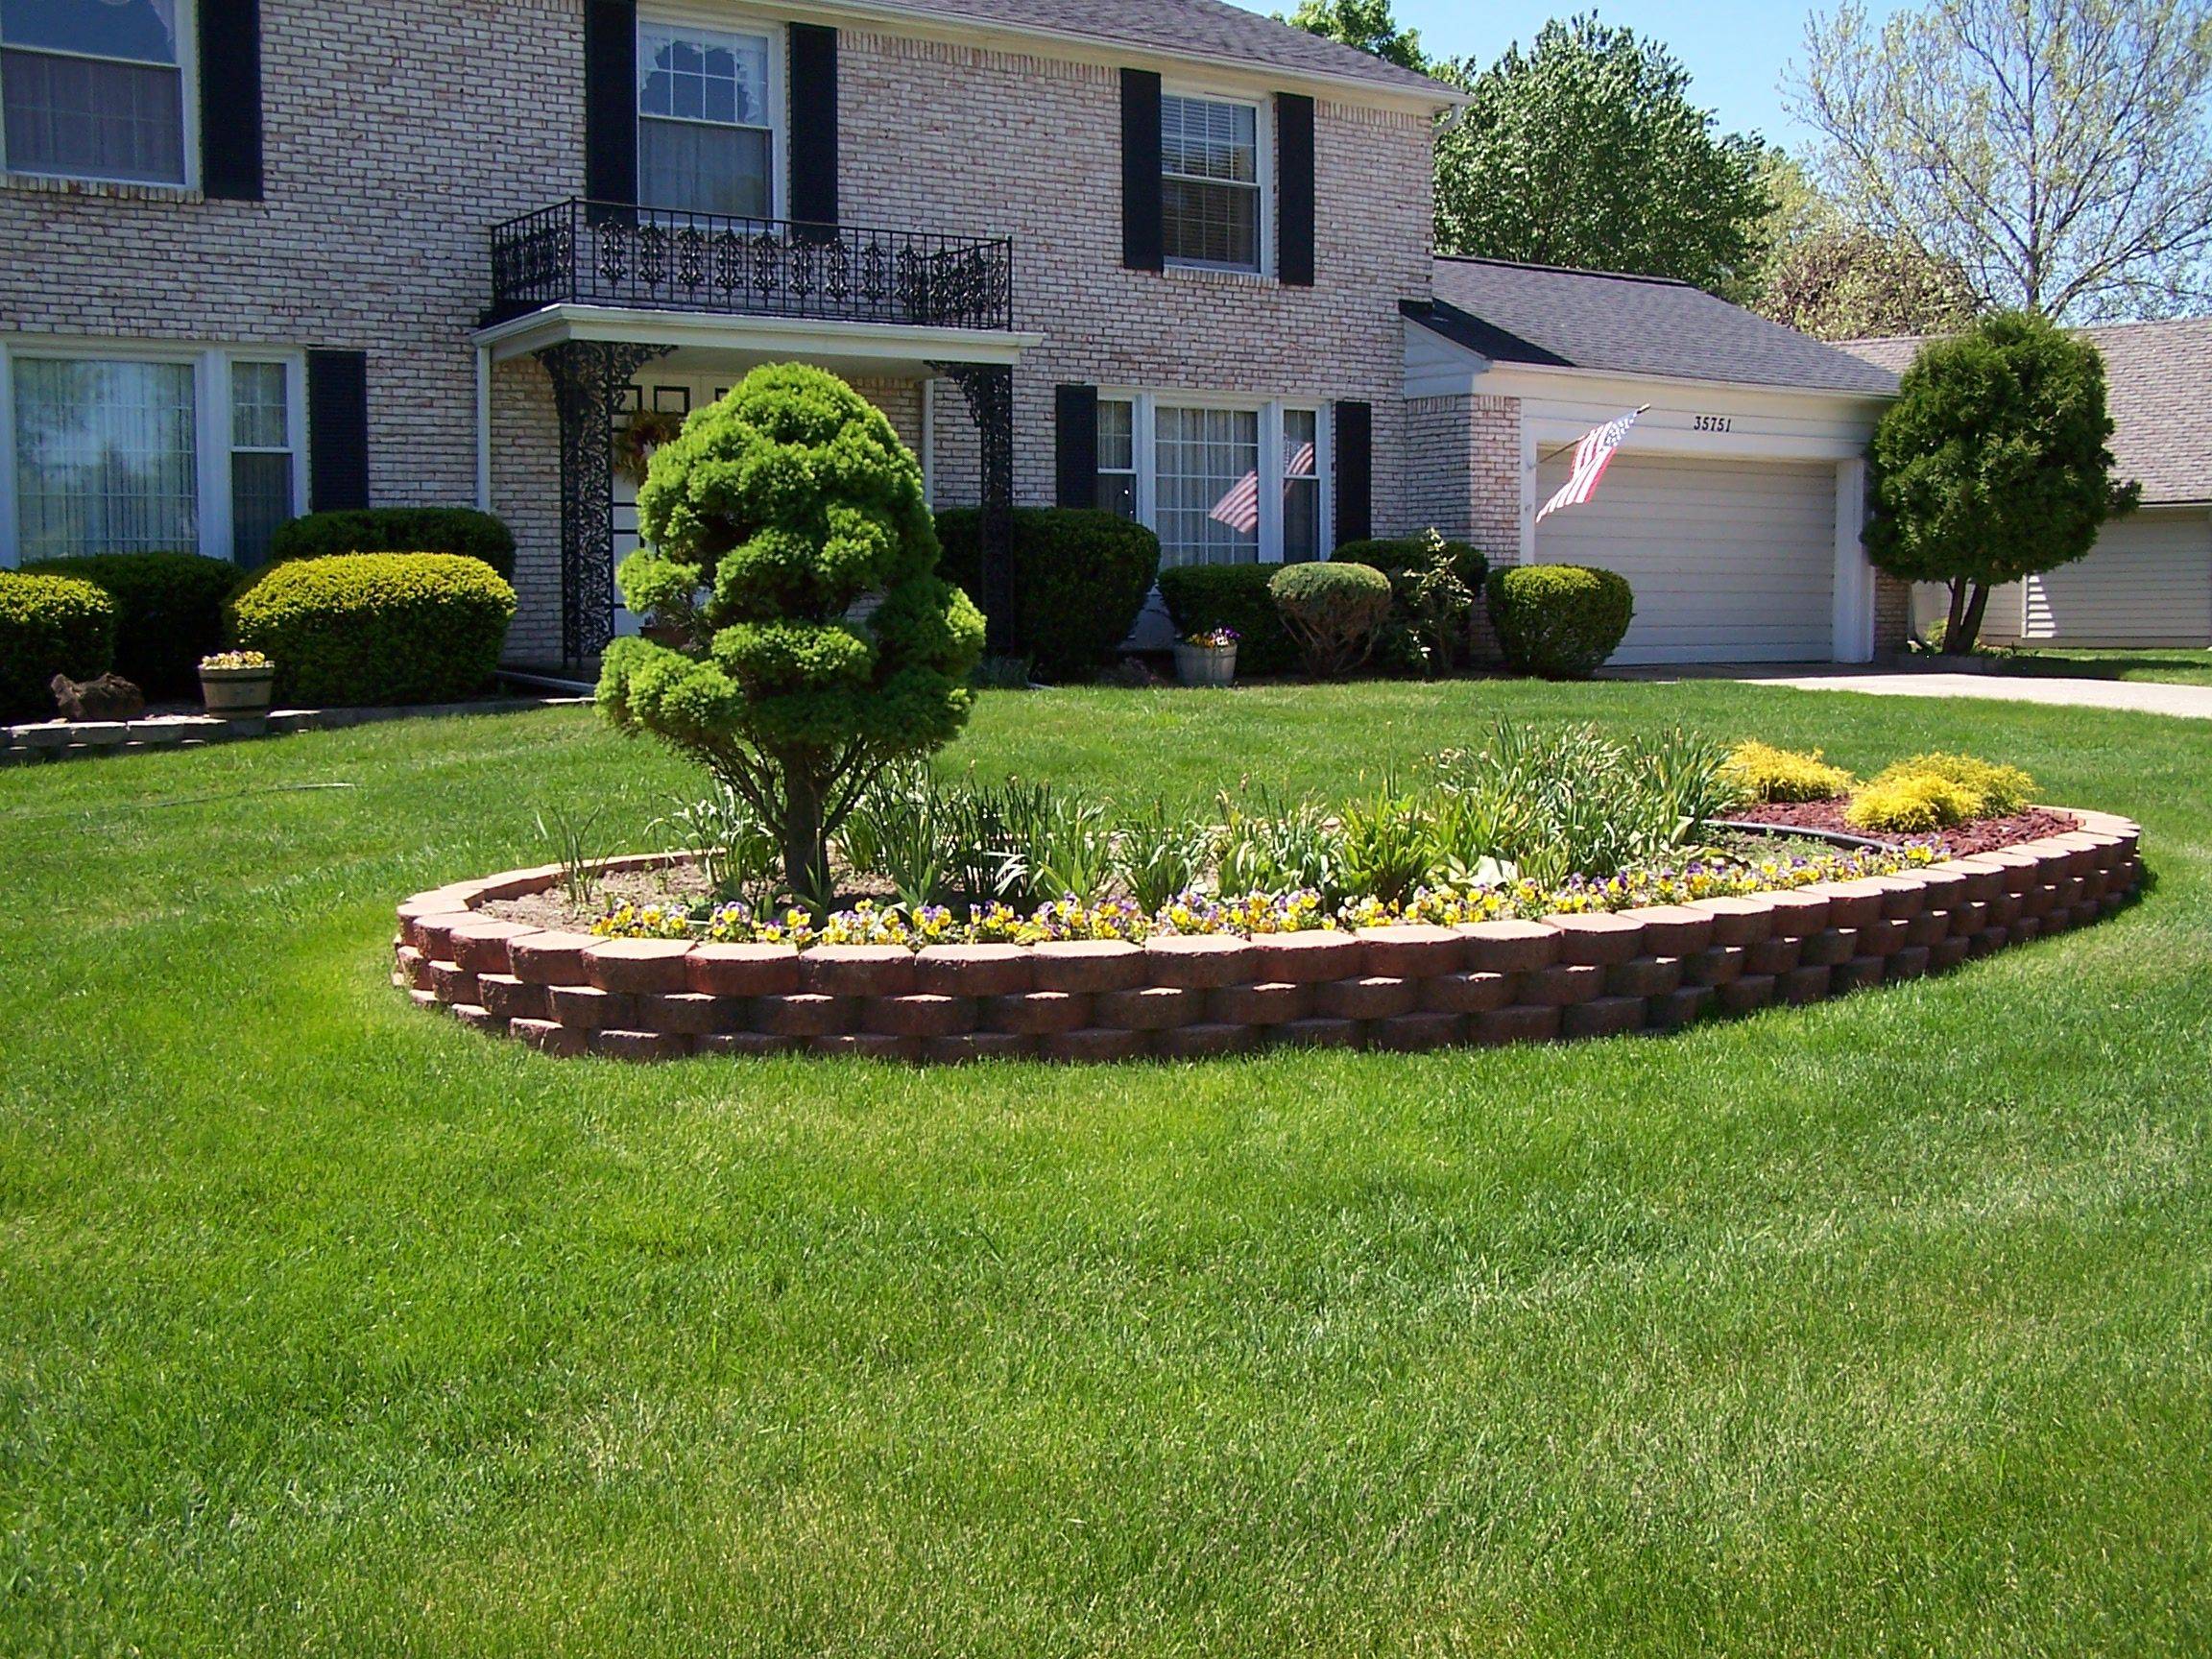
{"x": 1734, "y": 49}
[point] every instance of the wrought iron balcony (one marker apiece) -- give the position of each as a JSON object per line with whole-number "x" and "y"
{"x": 647, "y": 258}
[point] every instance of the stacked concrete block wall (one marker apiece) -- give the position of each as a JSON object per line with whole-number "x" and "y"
{"x": 1176, "y": 998}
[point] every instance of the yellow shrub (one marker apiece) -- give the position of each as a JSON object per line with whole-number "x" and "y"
{"x": 1764, "y": 773}
{"x": 1998, "y": 791}
{"x": 1911, "y": 804}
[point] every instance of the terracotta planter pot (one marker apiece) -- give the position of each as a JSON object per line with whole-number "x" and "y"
{"x": 1204, "y": 664}
{"x": 237, "y": 690}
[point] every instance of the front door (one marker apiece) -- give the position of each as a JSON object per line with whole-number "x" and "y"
{"x": 669, "y": 392}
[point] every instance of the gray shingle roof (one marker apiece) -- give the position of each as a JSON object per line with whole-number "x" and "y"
{"x": 2158, "y": 377}
{"x": 1201, "y": 29}
{"x": 1634, "y": 325}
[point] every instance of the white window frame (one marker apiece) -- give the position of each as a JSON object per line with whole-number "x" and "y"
{"x": 1263, "y": 163}
{"x": 188, "y": 94}
{"x": 1145, "y": 406}
{"x": 211, "y": 410}
{"x": 719, "y": 21}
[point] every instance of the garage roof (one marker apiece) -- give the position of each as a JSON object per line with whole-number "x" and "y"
{"x": 1556, "y": 318}
{"x": 2158, "y": 376}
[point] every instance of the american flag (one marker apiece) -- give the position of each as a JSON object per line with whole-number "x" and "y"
{"x": 1240, "y": 509}
{"x": 1591, "y": 457}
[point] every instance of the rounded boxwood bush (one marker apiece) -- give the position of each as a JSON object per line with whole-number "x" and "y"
{"x": 1202, "y": 597}
{"x": 1080, "y": 578}
{"x": 460, "y": 530}
{"x": 1332, "y": 611}
{"x": 376, "y": 627}
{"x": 1560, "y": 621}
{"x": 168, "y": 611}
{"x": 50, "y": 625}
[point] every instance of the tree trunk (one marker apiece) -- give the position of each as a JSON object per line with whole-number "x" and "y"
{"x": 806, "y": 844}
{"x": 1956, "y": 619}
{"x": 1970, "y": 629}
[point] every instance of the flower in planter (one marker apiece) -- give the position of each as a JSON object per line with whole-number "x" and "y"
{"x": 1212, "y": 638}
{"x": 237, "y": 660}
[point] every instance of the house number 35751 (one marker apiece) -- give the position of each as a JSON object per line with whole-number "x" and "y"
{"x": 1712, "y": 422}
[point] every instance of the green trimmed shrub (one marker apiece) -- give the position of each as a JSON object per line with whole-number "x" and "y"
{"x": 1202, "y": 597}
{"x": 168, "y": 611}
{"x": 376, "y": 627}
{"x": 1332, "y": 611}
{"x": 1435, "y": 584}
{"x": 1080, "y": 578}
{"x": 50, "y": 625}
{"x": 1560, "y": 621}
{"x": 460, "y": 530}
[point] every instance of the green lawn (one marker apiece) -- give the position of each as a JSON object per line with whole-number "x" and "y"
{"x": 326, "y": 1327}
{"x": 2170, "y": 668}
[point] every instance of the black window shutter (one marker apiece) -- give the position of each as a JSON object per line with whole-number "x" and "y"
{"x": 1140, "y": 229}
{"x": 337, "y": 431}
{"x": 611, "y": 101}
{"x": 814, "y": 124}
{"x": 231, "y": 100}
{"x": 1294, "y": 189}
{"x": 1076, "y": 445}
{"x": 1354, "y": 473}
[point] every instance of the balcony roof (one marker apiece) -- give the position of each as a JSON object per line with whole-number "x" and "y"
{"x": 890, "y": 350}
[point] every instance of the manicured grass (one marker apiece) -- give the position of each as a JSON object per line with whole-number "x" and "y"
{"x": 2170, "y": 668}
{"x": 328, "y": 1326}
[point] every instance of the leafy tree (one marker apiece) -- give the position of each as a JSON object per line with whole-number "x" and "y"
{"x": 2055, "y": 150}
{"x": 1991, "y": 465}
{"x": 1367, "y": 24}
{"x": 1586, "y": 151}
{"x": 1850, "y": 283}
{"x": 784, "y": 504}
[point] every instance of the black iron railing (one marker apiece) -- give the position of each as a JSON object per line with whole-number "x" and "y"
{"x": 606, "y": 253}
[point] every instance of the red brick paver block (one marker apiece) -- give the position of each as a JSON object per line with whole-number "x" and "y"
{"x": 1371, "y": 997}
{"x": 1946, "y": 954}
{"x": 743, "y": 970}
{"x": 441, "y": 902}
{"x": 1802, "y": 985}
{"x": 1148, "y": 1008}
{"x": 1037, "y": 1013}
{"x": 481, "y": 946}
{"x": 1909, "y": 963}
{"x": 1318, "y": 1033}
{"x": 1646, "y": 977}
{"x": 640, "y": 1045}
{"x": 2022, "y": 870}
{"x": 1258, "y": 1004}
{"x": 1607, "y": 1016}
{"x": 1856, "y": 974}
{"x": 1510, "y": 947}
{"x": 413, "y": 968}
{"x": 1777, "y": 955}
{"x": 2026, "y": 930}
{"x": 867, "y": 1046}
{"x": 1201, "y": 962}
{"x": 433, "y": 935}
{"x": 1523, "y": 1022}
{"x": 588, "y": 1008}
{"x": 2004, "y": 910}
{"x": 1984, "y": 879}
{"x": 1716, "y": 966}
{"x": 1903, "y": 897}
{"x": 1829, "y": 946}
{"x": 452, "y": 982}
{"x": 1411, "y": 952}
{"x": 1206, "y": 1041}
{"x": 1927, "y": 926}
{"x": 478, "y": 1017}
{"x": 974, "y": 970}
{"x": 1469, "y": 993}
{"x": 425, "y": 999}
{"x": 1851, "y": 904}
{"x": 1884, "y": 936}
{"x": 745, "y": 1045}
{"x": 921, "y": 1015}
{"x": 1597, "y": 940}
{"x": 1752, "y": 991}
{"x": 1739, "y": 920}
{"x": 2087, "y": 911}
{"x": 1568, "y": 982}
{"x": 688, "y": 1012}
{"x": 1679, "y": 1008}
{"x": 1672, "y": 929}
{"x": 1798, "y": 913}
{"x": 1988, "y": 942}
{"x": 637, "y": 965}
{"x": 1416, "y": 1033}
{"x": 805, "y": 1014}
{"x": 1085, "y": 967}
{"x": 549, "y": 958}
{"x": 1969, "y": 917}
{"x": 550, "y": 1037}
{"x": 513, "y": 998}
{"x": 1309, "y": 958}
{"x": 857, "y": 970}
{"x": 968, "y": 1046}
{"x": 1095, "y": 1044}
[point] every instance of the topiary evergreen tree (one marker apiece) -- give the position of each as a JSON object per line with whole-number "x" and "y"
{"x": 767, "y": 523}
{"x": 1991, "y": 465}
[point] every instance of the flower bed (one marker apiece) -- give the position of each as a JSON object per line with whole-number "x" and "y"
{"x": 1604, "y": 958}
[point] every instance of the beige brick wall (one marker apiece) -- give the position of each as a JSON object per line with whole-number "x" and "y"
{"x": 1892, "y": 615}
{"x": 1463, "y": 462}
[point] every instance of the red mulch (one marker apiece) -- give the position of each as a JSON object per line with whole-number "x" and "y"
{"x": 1983, "y": 836}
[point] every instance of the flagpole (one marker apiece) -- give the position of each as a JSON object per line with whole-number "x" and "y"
{"x": 1640, "y": 409}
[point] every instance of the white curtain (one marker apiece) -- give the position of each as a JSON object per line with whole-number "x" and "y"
{"x": 105, "y": 457}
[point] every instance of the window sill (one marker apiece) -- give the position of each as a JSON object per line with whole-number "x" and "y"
{"x": 1214, "y": 277}
{"x": 108, "y": 189}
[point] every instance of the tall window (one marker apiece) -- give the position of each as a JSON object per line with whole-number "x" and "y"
{"x": 93, "y": 89}
{"x": 1301, "y": 486}
{"x": 706, "y": 139}
{"x": 1210, "y": 189}
{"x": 260, "y": 458}
{"x": 1117, "y": 457}
{"x": 1208, "y": 471}
{"x": 105, "y": 459}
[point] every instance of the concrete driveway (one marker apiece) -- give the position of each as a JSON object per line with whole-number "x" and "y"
{"x": 2142, "y": 697}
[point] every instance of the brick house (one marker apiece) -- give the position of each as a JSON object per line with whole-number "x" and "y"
{"x": 281, "y": 254}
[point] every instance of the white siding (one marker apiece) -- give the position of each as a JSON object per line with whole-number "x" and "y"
{"x": 1731, "y": 561}
{"x": 2148, "y": 582}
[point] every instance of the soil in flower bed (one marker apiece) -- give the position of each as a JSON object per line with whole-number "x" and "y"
{"x": 675, "y": 887}
{"x": 1984, "y": 835}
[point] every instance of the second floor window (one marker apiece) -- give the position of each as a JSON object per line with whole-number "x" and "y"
{"x": 93, "y": 89}
{"x": 1210, "y": 186}
{"x": 706, "y": 131}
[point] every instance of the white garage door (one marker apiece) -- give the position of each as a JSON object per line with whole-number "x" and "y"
{"x": 2148, "y": 582}
{"x": 1732, "y": 561}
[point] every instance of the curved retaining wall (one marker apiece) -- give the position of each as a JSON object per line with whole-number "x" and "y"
{"x": 1390, "y": 988}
